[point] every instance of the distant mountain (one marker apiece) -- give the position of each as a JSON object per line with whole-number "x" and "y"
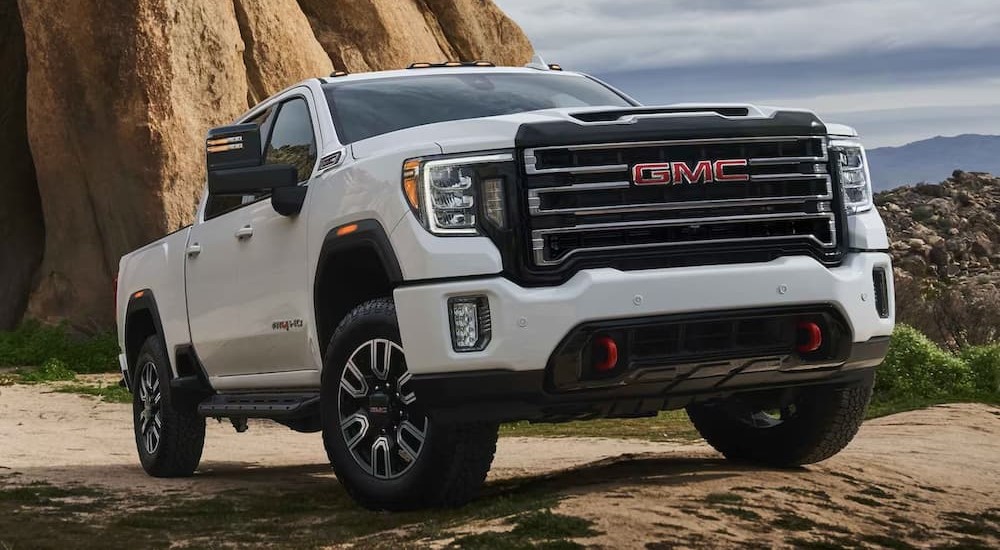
{"x": 933, "y": 160}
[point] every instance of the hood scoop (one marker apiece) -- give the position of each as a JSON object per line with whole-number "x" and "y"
{"x": 626, "y": 116}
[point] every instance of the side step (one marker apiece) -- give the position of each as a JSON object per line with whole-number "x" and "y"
{"x": 260, "y": 405}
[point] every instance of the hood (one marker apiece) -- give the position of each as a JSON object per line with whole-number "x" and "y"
{"x": 597, "y": 125}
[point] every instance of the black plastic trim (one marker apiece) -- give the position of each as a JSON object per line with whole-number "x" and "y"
{"x": 369, "y": 234}
{"x": 145, "y": 302}
{"x": 196, "y": 383}
{"x": 510, "y": 396}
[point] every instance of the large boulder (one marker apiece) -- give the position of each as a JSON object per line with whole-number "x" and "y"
{"x": 121, "y": 92}
{"x": 22, "y": 234}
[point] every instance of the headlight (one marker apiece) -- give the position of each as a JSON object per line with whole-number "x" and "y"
{"x": 448, "y": 194}
{"x": 855, "y": 179}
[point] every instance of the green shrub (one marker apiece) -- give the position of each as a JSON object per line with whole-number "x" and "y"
{"x": 917, "y": 368}
{"x": 984, "y": 361}
{"x": 32, "y": 344}
{"x": 50, "y": 371}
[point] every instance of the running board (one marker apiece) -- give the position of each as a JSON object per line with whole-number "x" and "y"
{"x": 260, "y": 405}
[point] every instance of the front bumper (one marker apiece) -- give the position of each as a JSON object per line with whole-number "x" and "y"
{"x": 502, "y": 396}
{"x": 529, "y": 323}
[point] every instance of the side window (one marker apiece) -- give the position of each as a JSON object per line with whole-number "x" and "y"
{"x": 220, "y": 204}
{"x": 292, "y": 141}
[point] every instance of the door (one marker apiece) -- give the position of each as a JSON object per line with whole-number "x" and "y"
{"x": 247, "y": 293}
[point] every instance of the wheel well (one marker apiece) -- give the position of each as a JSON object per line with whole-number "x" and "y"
{"x": 348, "y": 278}
{"x": 139, "y": 325}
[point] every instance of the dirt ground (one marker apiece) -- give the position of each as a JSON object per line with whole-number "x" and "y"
{"x": 926, "y": 478}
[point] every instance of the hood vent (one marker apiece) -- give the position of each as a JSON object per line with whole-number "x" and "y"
{"x": 618, "y": 114}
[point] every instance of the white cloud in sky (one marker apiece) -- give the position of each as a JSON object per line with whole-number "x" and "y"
{"x": 614, "y": 35}
{"x": 903, "y": 69}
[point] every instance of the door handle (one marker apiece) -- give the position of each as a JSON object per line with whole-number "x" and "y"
{"x": 244, "y": 232}
{"x": 193, "y": 250}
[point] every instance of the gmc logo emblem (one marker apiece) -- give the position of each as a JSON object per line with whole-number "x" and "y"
{"x": 676, "y": 173}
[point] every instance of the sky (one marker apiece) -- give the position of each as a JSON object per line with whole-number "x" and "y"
{"x": 897, "y": 70}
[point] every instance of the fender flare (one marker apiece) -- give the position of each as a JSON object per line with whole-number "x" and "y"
{"x": 144, "y": 301}
{"x": 369, "y": 234}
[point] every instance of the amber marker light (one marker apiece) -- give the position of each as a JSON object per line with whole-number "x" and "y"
{"x": 347, "y": 229}
{"x": 411, "y": 172}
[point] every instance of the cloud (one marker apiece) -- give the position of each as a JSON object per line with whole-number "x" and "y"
{"x": 898, "y": 69}
{"x": 617, "y": 35}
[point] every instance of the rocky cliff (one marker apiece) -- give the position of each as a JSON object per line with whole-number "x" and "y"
{"x": 106, "y": 103}
{"x": 944, "y": 240}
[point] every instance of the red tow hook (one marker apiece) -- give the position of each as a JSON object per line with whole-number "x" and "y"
{"x": 606, "y": 354}
{"x": 810, "y": 337}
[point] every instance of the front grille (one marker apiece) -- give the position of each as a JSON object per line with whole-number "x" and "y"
{"x": 581, "y": 201}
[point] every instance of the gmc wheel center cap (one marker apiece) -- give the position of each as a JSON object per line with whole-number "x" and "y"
{"x": 380, "y": 409}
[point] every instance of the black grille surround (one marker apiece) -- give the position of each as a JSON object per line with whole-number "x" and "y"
{"x": 573, "y": 205}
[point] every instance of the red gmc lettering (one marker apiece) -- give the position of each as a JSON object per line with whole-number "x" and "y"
{"x": 651, "y": 174}
{"x": 722, "y": 176}
{"x": 702, "y": 172}
{"x": 675, "y": 173}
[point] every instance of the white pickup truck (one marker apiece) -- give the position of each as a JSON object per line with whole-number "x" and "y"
{"x": 405, "y": 259}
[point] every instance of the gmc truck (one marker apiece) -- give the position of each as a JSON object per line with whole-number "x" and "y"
{"x": 403, "y": 260}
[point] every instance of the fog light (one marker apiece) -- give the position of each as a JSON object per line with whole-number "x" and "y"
{"x": 471, "y": 326}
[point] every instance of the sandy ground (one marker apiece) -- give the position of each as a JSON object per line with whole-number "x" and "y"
{"x": 922, "y": 477}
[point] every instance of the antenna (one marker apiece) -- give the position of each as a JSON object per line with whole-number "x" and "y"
{"x": 538, "y": 63}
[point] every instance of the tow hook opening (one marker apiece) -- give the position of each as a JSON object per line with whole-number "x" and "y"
{"x": 605, "y": 354}
{"x": 809, "y": 337}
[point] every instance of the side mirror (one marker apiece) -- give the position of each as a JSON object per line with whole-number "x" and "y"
{"x": 236, "y": 167}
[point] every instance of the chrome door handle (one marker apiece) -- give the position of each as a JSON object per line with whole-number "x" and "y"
{"x": 244, "y": 232}
{"x": 193, "y": 250}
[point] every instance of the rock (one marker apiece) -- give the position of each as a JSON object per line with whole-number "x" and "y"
{"x": 123, "y": 91}
{"x": 478, "y": 30}
{"x": 938, "y": 255}
{"x": 982, "y": 246}
{"x": 120, "y": 165}
{"x": 277, "y": 52}
{"x": 21, "y": 227}
{"x": 916, "y": 243}
{"x": 363, "y": 35}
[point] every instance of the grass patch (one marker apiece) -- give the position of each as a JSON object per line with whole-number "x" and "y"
{"x": 53, "y": 370}
{"x": 742, "y": 513}
{"x": 33, "y": 345}
{"x": 792, "y": 522}
{"x": 860, "y": 499}
{"x": 827, "y": 543}
{"x": 45, "y": 516}
{"x": 109, "y": 393}
{"x": 877, "y": 492}
{"x": 666, "y": 426}
{"x": 723, "y": 498}
{"x": 918, "y": 373}
{"x": 887, "y": 542}
{"x": 538, "y": 529}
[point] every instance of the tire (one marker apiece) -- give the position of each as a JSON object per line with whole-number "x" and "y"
{"x": 173, "y": 448}
{"x": 818, "y": 423}
{"x": 444, "y": 467}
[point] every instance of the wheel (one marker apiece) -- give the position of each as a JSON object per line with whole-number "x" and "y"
{"x": 169, "y": 433}
{"x": 387, "y": 453}
{"x": 817, "y": 423}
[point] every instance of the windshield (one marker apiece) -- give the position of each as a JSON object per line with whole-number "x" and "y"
{"x": 367, "y": 108}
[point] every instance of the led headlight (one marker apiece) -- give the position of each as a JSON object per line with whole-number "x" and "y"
{"x": 855, "y": 179}
{"x": 448, "y": 193}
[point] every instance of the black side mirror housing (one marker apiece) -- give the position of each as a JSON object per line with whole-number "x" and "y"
{"x": 236, "y": 167}
{"x": 236, "y": 146}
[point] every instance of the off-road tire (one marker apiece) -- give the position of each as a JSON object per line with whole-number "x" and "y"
{"x": 825, "y": 420}
{"x": 452, "y": 465}
{"x": 182, "y": 435}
